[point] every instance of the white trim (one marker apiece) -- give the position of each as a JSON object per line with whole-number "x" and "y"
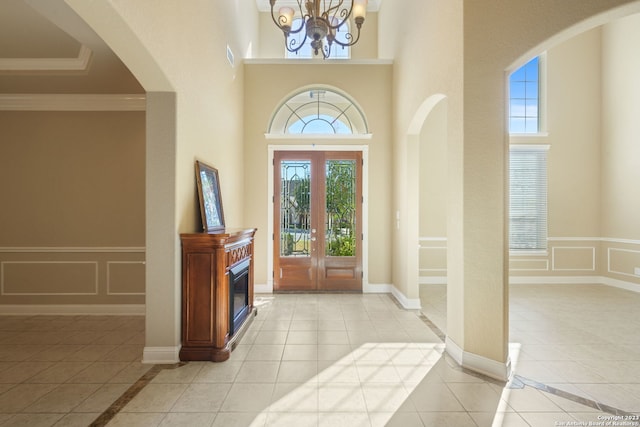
{"x": 595, "y": 239}
{"x": 317, "y": 137}
{"x": 609, "y": 270}
{"x": 79, "y": 63}
{"x": 528, "y": 253}
{"x": 555, "y": 280}
{"x": 72, "y": 249}
{"x": 161, "y": 355}
{"x": 262, "y": 288}
{"x": 365, "y": 205}
{"x": 109, "y": 277}
{"x": 553, "y": 258}
{"x": 492, "y": 368}
{"x": 73, "y": 102}
{"x": 529, "y": 135}
{"x": 526, "y": 147}
{"x": 2, "y": 280}
{"x": 73, "y": 309}
{"x": 574, "y": 239}
{"x": 315, "y": 62}
{"x": 621, "y": 284}
{"x": 432, "y": 280}
{"x": 376, "y": 288}
{"x": 626, "y": 241}
{"x": 407, "y": 303}
{"x": 432, "y": 239}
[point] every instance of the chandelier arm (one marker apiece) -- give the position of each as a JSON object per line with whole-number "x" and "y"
{"x": 292, "y": 42}
{"x": 280, "y": 20}
{"x": 334, "y": 9}
{"x": 326, "y": 51}
{"x": 349, "y": 36}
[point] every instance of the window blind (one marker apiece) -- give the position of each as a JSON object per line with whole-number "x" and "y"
{"x": 528, "y": 199}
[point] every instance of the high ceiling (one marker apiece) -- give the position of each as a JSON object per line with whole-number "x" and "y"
{"x": 45, "y": 47}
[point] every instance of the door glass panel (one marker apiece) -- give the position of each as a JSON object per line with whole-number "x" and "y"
{"x": 340, "y": 226}
{"x": 295, "y": 204}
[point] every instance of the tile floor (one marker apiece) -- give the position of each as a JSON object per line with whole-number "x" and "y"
{"x": 66, "y": 370}
{"x": 582, "y": 339}
{"x": 307, "y": 360}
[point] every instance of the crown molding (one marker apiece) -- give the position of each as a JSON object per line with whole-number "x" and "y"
{"x": 80, "y": 63}
{"x": 73, "y": 102}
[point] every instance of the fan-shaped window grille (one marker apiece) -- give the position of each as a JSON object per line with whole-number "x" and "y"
{"x": 318, "y": 111}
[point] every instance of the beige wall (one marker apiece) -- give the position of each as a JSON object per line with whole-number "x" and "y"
{"x": 195, "y": 110}
{"x": 266, "y": 87}
{"x": 621, "y": 150}
{"x": 588, "y": 167}
{"x": 72, "y": 227}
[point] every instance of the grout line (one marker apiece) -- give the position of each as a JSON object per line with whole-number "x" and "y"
{"x": 573, "y": 397}
{"x": 131, "y": 392}
{"x": 519, "y": 382}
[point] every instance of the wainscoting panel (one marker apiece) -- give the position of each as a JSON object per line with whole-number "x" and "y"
{"x": 72, "y": 275}
{"x": 433, "y": 256}
{"x": 623, "y": 261}
{"x": 48, "y": 278}
{"x": 573, "y": 258}
{"x": 125, "y": 277}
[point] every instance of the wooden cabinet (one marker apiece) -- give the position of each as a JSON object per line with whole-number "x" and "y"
{"x": 216, "y": 269}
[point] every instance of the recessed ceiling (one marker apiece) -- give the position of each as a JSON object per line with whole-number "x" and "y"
{"x": 264, "y": 6}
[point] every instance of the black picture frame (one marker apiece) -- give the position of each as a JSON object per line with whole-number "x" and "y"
{"x": 210, "y": 197}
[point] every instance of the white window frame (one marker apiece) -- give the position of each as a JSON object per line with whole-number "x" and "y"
{"x": 542, "y": 99}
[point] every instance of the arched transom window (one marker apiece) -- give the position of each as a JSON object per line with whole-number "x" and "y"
{"x": 318, "y": 111}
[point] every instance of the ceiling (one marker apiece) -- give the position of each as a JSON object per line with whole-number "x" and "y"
{"x": 45, "y": 47}
{"x": 264, "y": 6}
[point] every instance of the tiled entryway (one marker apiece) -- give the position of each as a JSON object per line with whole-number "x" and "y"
{"x": 307, "y": 360}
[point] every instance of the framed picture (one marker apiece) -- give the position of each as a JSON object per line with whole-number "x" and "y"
{"x": 210, "y": 197}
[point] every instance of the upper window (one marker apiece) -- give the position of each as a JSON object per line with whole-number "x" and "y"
{"x": 305, "y": 52}
{"x": 318, "y": 111}
{"x": 524, "y": 98}
{"x": 528, "y": 198}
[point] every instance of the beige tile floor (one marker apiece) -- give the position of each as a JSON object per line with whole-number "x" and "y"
{"x": 66, "y": 370}
{"x": 582, "y": 339}
{"x": 307, "y": 360}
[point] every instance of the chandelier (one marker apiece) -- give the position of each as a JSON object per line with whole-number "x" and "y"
{"x": 321, "y": 19}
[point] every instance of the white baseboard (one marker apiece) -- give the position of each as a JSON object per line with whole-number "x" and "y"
{"x": 432, "y": 280}
{"x": 552, "y": 280}
{"x": 489, "y": 367}
{"x": 634, "y": 287}
{"x": 262, "y": 288}
{"x": 161, "y": 355}
{"x": 555, "y": 280}
{"x": 407, "y": 303}
{"x": 376, "y": 288}
{"x": 74, "y": 309}
{"x": 574, "y": 280}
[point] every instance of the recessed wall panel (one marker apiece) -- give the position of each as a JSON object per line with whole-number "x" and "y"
{"x": 125, "y": 278}
{"x": 49, "y": 278}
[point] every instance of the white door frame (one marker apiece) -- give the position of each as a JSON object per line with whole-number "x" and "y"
{"x": 364, "y": 149}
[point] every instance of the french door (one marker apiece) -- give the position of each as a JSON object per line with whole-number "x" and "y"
{"x": 317, "y": 221}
